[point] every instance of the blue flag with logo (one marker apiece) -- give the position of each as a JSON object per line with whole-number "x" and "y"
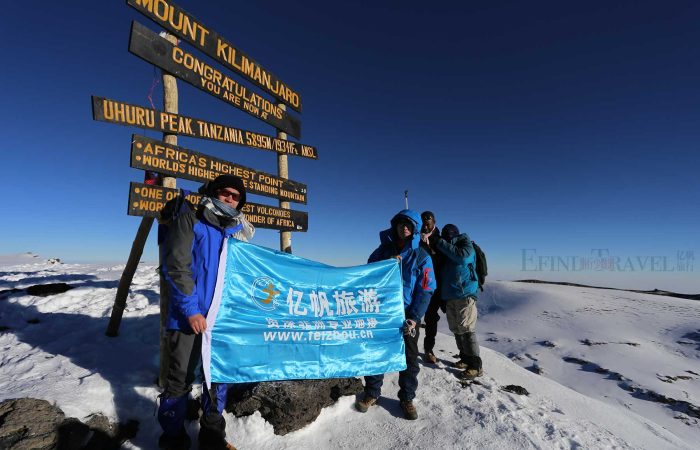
{"x": 276, "y": 316}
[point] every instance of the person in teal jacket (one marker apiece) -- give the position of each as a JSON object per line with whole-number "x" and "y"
{"x": 402, "y": 241}
{"x": 460, "y": 286}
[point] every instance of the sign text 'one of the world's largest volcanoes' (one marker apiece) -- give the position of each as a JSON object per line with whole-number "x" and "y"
{"x": 154, "y": 49}
{"x": 179, "y": 22}
{"x": 148, "y": 200}
{"x": 113, "y": 111}
{"x": 180, "y": 162}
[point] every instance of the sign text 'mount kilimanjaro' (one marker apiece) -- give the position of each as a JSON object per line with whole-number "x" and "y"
{"x": 158, "y": 156}
{"x": 148, "y": 200}
{"x": 106, "y": 110}
{"x": 179, "y": 22}
{"x": 154, "y": 49}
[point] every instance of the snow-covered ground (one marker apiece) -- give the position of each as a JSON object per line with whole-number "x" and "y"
{"x": 623, "y": 349}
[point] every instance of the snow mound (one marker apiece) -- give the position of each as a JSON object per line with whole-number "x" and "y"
{"x": 638, "y": 351}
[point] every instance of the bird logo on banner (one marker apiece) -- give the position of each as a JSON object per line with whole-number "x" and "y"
{"x": 264, "y": 293}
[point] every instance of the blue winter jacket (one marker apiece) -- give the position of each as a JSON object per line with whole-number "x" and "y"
{"x": 190, "y": 265}
{"x": 416, "y": 265}
{"x": 458, "y": 275}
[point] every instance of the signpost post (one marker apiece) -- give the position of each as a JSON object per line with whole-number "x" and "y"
{"x": 170, "y": 102}
{"x": 283, "y": 170}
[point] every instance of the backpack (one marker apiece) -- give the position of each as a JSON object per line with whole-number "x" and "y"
{"x": 481, "y": 267}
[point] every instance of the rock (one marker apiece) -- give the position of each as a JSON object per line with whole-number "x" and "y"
{"x": 72, "y": 433}
{"x": 107, "y": 435}
{"x": 515, "y": 389}
{"x": 290, "y": 405}
{"x": 44, "y": 290}
{"x": 54, "y": 261}
{"x": 28, "y": 423}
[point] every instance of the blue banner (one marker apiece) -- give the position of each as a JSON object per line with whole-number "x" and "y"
{"x": 276, "y": 316}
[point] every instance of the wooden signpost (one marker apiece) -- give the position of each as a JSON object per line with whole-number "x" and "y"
{"x": 171, "y": 161}
{"x": 152, "y": 48}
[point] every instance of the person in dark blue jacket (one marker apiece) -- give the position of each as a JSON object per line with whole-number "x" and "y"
{"x": 460, "y": 286}
{"x": 402, "y": 241}
{"x": 190, "y": 267}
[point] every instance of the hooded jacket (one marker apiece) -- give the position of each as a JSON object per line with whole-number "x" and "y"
{"x": 416, "y": 265}
{"x": 458, "y": 272}
{"x": 191, "y": 264}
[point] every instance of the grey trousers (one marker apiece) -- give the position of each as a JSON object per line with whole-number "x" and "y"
{"x": 461, "y": 318}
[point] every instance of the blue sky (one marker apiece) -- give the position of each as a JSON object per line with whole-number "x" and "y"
{"x": 543, "y": 129}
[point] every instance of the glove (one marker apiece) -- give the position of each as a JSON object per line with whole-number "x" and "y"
{"x": 409, "y": 328}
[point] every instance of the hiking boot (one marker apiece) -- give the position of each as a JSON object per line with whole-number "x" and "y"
{"x": 364, "y": 404}
{"x": 461, "y": 365}
{"x": 409, "y": 411}
{"x": 470, "y": 374}
{"x": 431, "y": 358}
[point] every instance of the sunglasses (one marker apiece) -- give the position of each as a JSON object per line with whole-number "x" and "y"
{"x": 233, "y": 194}
{"x": 405, "y": 223}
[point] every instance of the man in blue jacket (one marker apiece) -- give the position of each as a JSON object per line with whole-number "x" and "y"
{"x": 402, "y": 241}
{"x": 459, "y": 289}
{"x": 191, "y": 261}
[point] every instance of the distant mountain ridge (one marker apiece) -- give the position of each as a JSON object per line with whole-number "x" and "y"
{"x": 653, "y": 292}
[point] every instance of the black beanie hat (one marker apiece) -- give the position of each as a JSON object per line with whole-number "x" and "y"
{"x": 223, "y": 181}
{"x": 449, "y": 231}
{"x": 425, "y": 215}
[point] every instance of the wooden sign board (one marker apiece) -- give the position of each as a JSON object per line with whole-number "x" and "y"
{"x": 179, "y": 162}
{"x": 148, "y": 200}
{"x": 154, "y": 49}
{"x": 182, "y": 24}
{"x": 113, "y": 111}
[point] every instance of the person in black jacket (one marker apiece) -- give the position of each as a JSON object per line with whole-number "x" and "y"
{"x": 430, "y": 233}
{"x": 190, "y": 265}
